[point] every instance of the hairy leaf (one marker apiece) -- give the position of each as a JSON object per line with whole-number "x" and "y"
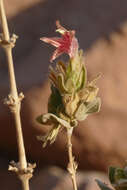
{"x": 84, "y": 109}
{"x": 93, "y": 106}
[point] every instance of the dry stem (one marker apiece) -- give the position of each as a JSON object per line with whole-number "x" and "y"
{"x": 72, "y": 166}
{"x": 14, "y": 102}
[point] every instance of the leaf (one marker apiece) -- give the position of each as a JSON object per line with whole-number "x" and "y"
{"x": 92, "y": 89}
{"x": 81, "y": 112}
{"x": 50, "y": 136}
{"x": 70, "y": 85}
{"x": 82, "y": 79}
{"x": 70, "y": 81}
{"x": 61, "y": 67}
{"x": 77, "y": 61}
{"x": 61, "y": 83}
{"x": 68, "y": 70}
{"x": 102, "y": 185}
{"x": 51, "y": 118}
{"x": 70, "y": 104}
{"x": 55, "y": 100}
{"x": 112, "y": 174}
{"x": 85, "y": 109}
{"x": 125, "y": 171}
{"x": 75, "y": 76}
{"x": 118, "y": 178}
{"x": 94, "y": 106}
{"x": 119, "y": 174}
{"x": 92, "y": 93}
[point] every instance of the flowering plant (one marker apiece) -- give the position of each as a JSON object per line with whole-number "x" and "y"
{"x": 72, "y": 97}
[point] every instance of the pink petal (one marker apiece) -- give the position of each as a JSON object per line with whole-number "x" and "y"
{"x": 66, "y": 44}
{"x": 53, "y": 41}
{"x": 56, "y": 54}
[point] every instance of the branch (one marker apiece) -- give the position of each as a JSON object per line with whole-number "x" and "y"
{"x": 22, "y": 169}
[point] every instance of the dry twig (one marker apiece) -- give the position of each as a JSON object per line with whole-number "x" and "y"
{"x": 22, "y": 169}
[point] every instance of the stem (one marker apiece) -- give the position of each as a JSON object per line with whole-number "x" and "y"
{"x": 4, "y": 22}
{"x": 72, "y": 165}
{"x": 22, "y": 156}
{"x": 25, "y": 184}
{"x": 11, "y": 73}
{"x": 13, "y": 88}
{"x": 14, "y": 101}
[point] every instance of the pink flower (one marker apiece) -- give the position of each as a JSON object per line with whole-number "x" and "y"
{"x": 66, "y": 44}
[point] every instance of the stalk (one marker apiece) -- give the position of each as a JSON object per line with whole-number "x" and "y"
{"x": 22, "y": 169}
{"x": 72, "y": 166}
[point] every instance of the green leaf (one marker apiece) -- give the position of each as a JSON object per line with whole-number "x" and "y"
{"x": 118, "y": 178}
{"x": 68, "y": 70}
{"x": 125, "y": 171}
{"x": 75, "y": 77}
{"x": 102, "y": 185}
{"x": 69, "y": 83}
{"x": 119, "y": 174}
{"x": 82, "y": 79}
{"x": 112, "y": 174}
{"x": 55, "y": 100}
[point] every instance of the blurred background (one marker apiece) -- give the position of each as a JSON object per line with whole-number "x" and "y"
{"x": 99, "y": 141}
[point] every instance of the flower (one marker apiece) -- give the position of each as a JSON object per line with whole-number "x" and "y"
{"x": 66, "y": 44}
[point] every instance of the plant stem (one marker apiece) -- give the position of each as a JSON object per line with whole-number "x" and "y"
{"x": 72, "y": 166}
{"x": 14, "y": 100}
{"x": 25, "y": 184}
